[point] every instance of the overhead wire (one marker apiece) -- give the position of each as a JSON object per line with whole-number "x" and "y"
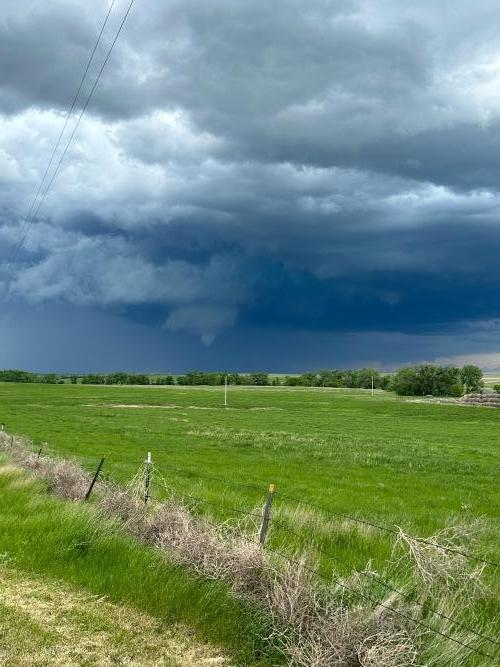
{"x": 71, "y": 109}
{"x": 48, "y": 187}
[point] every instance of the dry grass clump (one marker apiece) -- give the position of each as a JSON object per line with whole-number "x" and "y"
{"x": 439, "y": 561}
{"x": 325, "y": 631}
{"x": 313, "y": 626}
{"x": 64, "y": 478}
{"x": 190, "y": 540}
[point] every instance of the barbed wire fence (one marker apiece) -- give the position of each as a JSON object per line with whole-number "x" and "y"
{"x": 265, "y": 522}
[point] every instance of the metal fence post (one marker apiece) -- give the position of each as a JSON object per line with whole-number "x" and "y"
{"x": 147, "y": 477}
{"x": 94, "y": 479}
{"x": 266, "y": 515}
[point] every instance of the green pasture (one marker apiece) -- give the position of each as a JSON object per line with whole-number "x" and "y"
{"x": 387, "y": 461}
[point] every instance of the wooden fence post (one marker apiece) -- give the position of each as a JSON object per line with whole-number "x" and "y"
{"x": 266, "y": 515}
{"x": 147, "y": 477}
{"x": 94, "y": 479}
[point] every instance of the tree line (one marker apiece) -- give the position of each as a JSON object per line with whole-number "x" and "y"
{"x": 419, "y": 380}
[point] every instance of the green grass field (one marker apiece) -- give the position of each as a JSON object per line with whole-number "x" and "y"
{"x": 42, "y": 535}
{"x": 384, "y": 460}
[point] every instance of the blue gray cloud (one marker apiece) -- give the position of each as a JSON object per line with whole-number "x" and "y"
{"x": 327, "y": 169}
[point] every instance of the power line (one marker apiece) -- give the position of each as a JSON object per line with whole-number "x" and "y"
{"x": 70, "y": 112}
{"x": 31, "y": 219}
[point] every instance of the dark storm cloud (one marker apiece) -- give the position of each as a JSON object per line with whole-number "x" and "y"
{"x": 325, "y": 167}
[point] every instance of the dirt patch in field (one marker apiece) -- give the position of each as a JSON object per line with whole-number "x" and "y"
{"x": 132, "y": 405}
{"x": 168, "y": 406}
{"x": 148, "y": 406}
{"x": 43, "y": 622}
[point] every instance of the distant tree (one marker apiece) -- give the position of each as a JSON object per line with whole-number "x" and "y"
{"x": 233, "y": 378}
{"x": 138, "y": 378}
{"x": 163, "y": 379}
{"x": 17, "y": 376}
{"x": 426, "y": 379}
{"x": 293, "y": 381}
{"x": 259, "y": 379}
{"x": 308, "y": 380}
{"x": 496, "y": 387}
{"x": 119, "y": 377}
{"x": 385, "y": 382}
{"x": 331, "y": 378}
{"x": 93, "y": 379}
{"x": 48, "y": 378}
{"x": 472, "y": 378}
{"x": 74, "y": 379}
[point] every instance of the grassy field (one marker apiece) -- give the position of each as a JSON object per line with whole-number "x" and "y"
{"x": 384, "y": 460}
{"x": 76, "y": 587}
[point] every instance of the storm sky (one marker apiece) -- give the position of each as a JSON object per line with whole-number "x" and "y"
{"x": 279, "y": 185}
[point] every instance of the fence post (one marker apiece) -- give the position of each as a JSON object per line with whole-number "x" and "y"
{"x": 94, "y": 479}
{"x": 266, "y": 515}
{"x": 147, "y": 477}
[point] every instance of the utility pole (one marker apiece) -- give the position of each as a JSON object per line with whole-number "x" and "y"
{"x": 373, "y": 387}
{"x": 225, "y": 391}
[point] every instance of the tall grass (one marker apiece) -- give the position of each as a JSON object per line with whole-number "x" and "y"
{"x": 347, "y": 622}
{"x": 42, "y": 534}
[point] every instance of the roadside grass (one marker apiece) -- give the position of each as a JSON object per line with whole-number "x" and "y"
{"x": 415, "y": 465}
{"x": 44, "y": 622}
{"x": 42, "y": 535}
{"x": 344, "y": 625}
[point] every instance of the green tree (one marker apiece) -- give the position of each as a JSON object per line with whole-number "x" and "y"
{"x": 118, "y": 377}
{"x": 259, "y": 379}
{"x": 426, "y": 379}
{"x": 17, "y": 376}
{"x": 472, "y": 378}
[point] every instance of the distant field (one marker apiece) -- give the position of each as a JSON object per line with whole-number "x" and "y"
{"x": 491, "y": 378}
{"x": 382, "y": 459}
